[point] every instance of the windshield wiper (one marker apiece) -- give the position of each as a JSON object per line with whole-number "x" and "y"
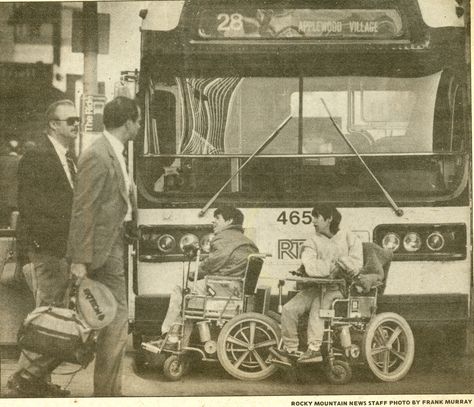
{"x": 398, "y": 211}
{"x": 265, "y": 143}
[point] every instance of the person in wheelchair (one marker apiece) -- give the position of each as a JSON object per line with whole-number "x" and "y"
{"x": 228, "y": 256}
{"x": 328, "y": 253}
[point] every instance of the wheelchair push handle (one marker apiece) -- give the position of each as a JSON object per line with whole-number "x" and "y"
{"x": 260, "y": 255}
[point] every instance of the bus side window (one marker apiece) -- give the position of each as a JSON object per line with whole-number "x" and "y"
{"x": 161, "y": 140}
{"x": 443, "y": 118}
{"x": 163, "y": 116}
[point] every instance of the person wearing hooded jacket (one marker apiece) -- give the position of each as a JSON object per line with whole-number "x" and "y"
{"x": 228, "y": 256}
{"x": 323, "y": 255}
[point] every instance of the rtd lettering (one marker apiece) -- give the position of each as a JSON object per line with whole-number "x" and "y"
{"x": 289, "y": 248}
{"x": 95, "y": 306}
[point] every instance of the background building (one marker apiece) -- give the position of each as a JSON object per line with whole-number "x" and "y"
{"x": 41, "y": 58}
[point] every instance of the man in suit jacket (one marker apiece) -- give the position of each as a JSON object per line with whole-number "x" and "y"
{"x": 45, "y": 189}
{"x": 103, "y": 204}
{"x": 8, "y": 183}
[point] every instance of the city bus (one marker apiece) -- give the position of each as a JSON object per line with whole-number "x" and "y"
{"x": 277, "y": 106}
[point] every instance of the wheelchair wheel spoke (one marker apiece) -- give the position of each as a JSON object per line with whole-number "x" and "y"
{"x": 386, "y": 361}
{"x": 379, "y": 337}
{"x": 399, "y": 355}
{"x": 376, "y": 351}
{"x": 259, "y": 360}
{"x": 252, "y": 332}
{"x": 396, "y": 333}
{"x": 244, "y": 336}
{"x": 266, "y": 344}
{"x": 241, "y": 359}
{"x": 238, "y": 342}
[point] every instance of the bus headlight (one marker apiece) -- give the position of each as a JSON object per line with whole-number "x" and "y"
{"x": 188, "y": 240}
{"x": 166, "y": 243}
{"x": 424, "y": 241}
{"x": 205, "y": 242}
{"x": 391, "y": 241}
{"x": 435, "y": 241}
{"x": 412, "y": 242}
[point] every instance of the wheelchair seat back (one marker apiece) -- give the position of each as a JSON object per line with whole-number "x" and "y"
{"x": 215, "y": 303}
{"x": 377, "y": 264}
{"x": 252, "y": 273}
{"x": 361, "y": 299}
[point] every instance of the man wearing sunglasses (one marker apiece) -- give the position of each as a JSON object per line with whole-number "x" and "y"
{"x": 46, "y": 177}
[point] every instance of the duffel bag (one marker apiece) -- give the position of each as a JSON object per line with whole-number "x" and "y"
{"x": 57, "y": 332}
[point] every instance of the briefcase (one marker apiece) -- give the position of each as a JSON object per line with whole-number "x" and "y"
{"x": 58, "y": 332}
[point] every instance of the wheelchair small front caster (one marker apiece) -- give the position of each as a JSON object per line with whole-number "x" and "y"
{"x": 175, "y": 367}
{"x": 339, "y": 373}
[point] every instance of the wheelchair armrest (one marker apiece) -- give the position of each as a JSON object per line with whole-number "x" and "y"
{"x": 377, "y": 284}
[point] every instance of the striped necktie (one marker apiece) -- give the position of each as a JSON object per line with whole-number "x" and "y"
{"x": 70, "y": 159}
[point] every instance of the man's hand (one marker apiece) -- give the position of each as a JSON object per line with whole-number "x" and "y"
{"x": 299, "y": 272}
{"x": 79, "y": 271}
{"x": 345, "y": 269}
{"x": 200, "y": 275}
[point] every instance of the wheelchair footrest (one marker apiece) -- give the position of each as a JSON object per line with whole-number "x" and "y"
{"x": 278, "y": 359}
{"x": 150, "y": 347}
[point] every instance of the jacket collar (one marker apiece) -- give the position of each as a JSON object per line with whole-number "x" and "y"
{"x": 117, "y": 168}
{"x": 47, "y": 147}
{"x": 231, "y": 227}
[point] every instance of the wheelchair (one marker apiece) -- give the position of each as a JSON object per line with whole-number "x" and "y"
{"x": 355, "y": 334}
{"x": 221, "y": 328}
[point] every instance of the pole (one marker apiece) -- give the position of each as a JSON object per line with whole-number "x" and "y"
{"x": 90, "y": 44}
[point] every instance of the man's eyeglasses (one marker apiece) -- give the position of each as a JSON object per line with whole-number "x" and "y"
{"x": 70, "y": 121}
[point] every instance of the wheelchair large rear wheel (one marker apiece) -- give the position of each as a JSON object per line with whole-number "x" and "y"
{"x": 389, "y": 346}
{"x": 243, "y": 346}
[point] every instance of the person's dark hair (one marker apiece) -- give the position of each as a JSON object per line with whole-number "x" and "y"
{"x": 118, "y": 111}
{"x": 328, "y": 211}
{"x": 230, "y": 212}
{"x": 51, "y": 111}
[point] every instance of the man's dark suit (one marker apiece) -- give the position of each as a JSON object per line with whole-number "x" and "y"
{"x": 45, "y": 202}
{"x": 96, "y": 239}
{"x": 8, "y": 187}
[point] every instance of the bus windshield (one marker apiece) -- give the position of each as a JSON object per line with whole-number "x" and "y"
{"x": 198, "y": 131}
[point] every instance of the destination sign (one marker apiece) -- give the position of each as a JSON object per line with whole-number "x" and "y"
{"x": 251, "y": 23}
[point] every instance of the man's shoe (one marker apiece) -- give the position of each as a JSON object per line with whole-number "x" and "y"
{"x": 53, "y": 390}
{"x": 22, "y": 387}
{"x": 311, "y": 356}
{"x": 34, "y": 387}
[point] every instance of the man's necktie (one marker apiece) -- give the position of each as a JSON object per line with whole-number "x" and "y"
{"x": 71, "y": 165}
